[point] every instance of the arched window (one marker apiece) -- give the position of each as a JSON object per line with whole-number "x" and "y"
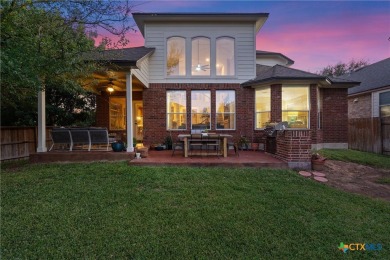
{"x": 176, "y": 56}
{"x": 225, "y": 57}
{"x": 200, "y": 65}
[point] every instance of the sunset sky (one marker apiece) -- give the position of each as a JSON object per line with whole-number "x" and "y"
{"x": 312, "y": 33}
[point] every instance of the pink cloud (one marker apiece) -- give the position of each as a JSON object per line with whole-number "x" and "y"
{"x": 314, "y": 46}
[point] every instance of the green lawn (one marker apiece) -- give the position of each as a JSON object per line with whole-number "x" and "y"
{"x": 112, "y": 210}
{"x": 370, "y": 159}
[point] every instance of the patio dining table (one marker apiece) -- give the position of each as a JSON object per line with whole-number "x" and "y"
{"x": 187, "y": 138}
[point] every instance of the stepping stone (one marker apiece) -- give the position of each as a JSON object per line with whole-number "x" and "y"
{"x": 305, "y": 173}
{"x": 318, "y": 174}
{"x": 321, "y": 179}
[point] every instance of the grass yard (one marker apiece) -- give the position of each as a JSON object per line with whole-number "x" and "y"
{"x": 111, "y": 210}
{"x": 370, "y": 159}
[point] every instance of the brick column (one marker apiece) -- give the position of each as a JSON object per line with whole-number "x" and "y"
{"x": 294, "y": 147}
{"x": 313, "y": 112}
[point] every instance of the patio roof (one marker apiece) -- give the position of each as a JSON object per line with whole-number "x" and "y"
{"x": 127, "y": 57}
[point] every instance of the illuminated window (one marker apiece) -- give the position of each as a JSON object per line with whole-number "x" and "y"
{"x": 200, "y": 109}
{"x": 384, "y": 104}
{"x": 263, "y": 107}
{"x": 225, "y": 57}
{"x": 200, "y": 57}
{"x": 176, "y": 58}
{"x": 117, "y": 113}
{"x": 176, "y": 110}
{"x": 295, "y": 106}
{"x": 226, "y": 109}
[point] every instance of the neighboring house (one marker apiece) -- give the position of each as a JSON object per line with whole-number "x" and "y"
{"x": 369, "y": 108}
{"x": 202, "y": 71}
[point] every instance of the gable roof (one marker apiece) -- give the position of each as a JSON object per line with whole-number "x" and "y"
{"x": 374, "y": 76}
{"x": 123, "y": 57}
{"x": 257, "y": 18}
{"x": 260, "y": 53}
{"x": 278, "y": 73}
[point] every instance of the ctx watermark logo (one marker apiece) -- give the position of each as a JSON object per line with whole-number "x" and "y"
{"x": 359, "y": 247}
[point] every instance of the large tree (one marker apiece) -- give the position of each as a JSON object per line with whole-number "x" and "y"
{"x": 42, "y": 45}
{"x": 342, "y": 68}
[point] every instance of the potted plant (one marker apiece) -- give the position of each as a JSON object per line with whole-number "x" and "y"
{"x": 317, "y": 161}
{"x": 243, "y": 142}
{"x": 118, "y": 146}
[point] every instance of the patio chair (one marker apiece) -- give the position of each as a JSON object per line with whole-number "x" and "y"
{"x": 81, "y": 136}
{"x": 214, "y": 142}
{"x": 61, "y": 136}
{"x": 195, "y": 141}
{"x": 99, "y": 136}
{"x": 233, "y": 145}
{"x": 178, "y": 144}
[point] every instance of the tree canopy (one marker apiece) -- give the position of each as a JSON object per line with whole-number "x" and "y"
{"x": 343, "y": 68}
{"x": 43, "y": 42}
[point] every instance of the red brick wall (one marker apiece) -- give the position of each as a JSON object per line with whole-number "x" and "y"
{"x": 294, "y": 145}
{"x": 335, "y": 116}
{"x": 155, "y": 110}
{"x": 316, "y": 133}
{"x": 360, "y": 106}
{"x": 276, "y": 103}
{"x": 334, "y": 110}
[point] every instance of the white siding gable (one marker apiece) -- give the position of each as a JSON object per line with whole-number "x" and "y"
{"x": 142, "y": 73}
{"x": 156, "y": 36}
{"x": 271, "y": 61}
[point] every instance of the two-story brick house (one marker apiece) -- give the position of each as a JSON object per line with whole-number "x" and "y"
{"x": 202, "y": 71}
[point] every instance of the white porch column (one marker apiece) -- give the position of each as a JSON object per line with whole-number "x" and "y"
{"x": 129, "y": 112}
{"x": 41, "y": 148}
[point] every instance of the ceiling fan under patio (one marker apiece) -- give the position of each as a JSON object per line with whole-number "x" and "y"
{"x": 110, "y": 81}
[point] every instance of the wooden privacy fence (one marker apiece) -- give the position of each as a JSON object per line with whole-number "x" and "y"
{"x": 369, "y": 134}
{"x": 19, "y": 142}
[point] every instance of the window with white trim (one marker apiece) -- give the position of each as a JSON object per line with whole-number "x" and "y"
{"x": 263, "y": 107}
{"x": 176, "y": 56}
{"x": 176, "y": 110}
{"x": 200, "y": 109}
{"x": 200, "y": 65}
{"x": 225, "y": 65}
{"x": 295, "y": 106}
{"x": 225, "y": 109}
{"x": 384, "y": 104}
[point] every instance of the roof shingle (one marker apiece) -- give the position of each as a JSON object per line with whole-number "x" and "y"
{"x": 126, "y": 55}
{"x": 374, "y": 76}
